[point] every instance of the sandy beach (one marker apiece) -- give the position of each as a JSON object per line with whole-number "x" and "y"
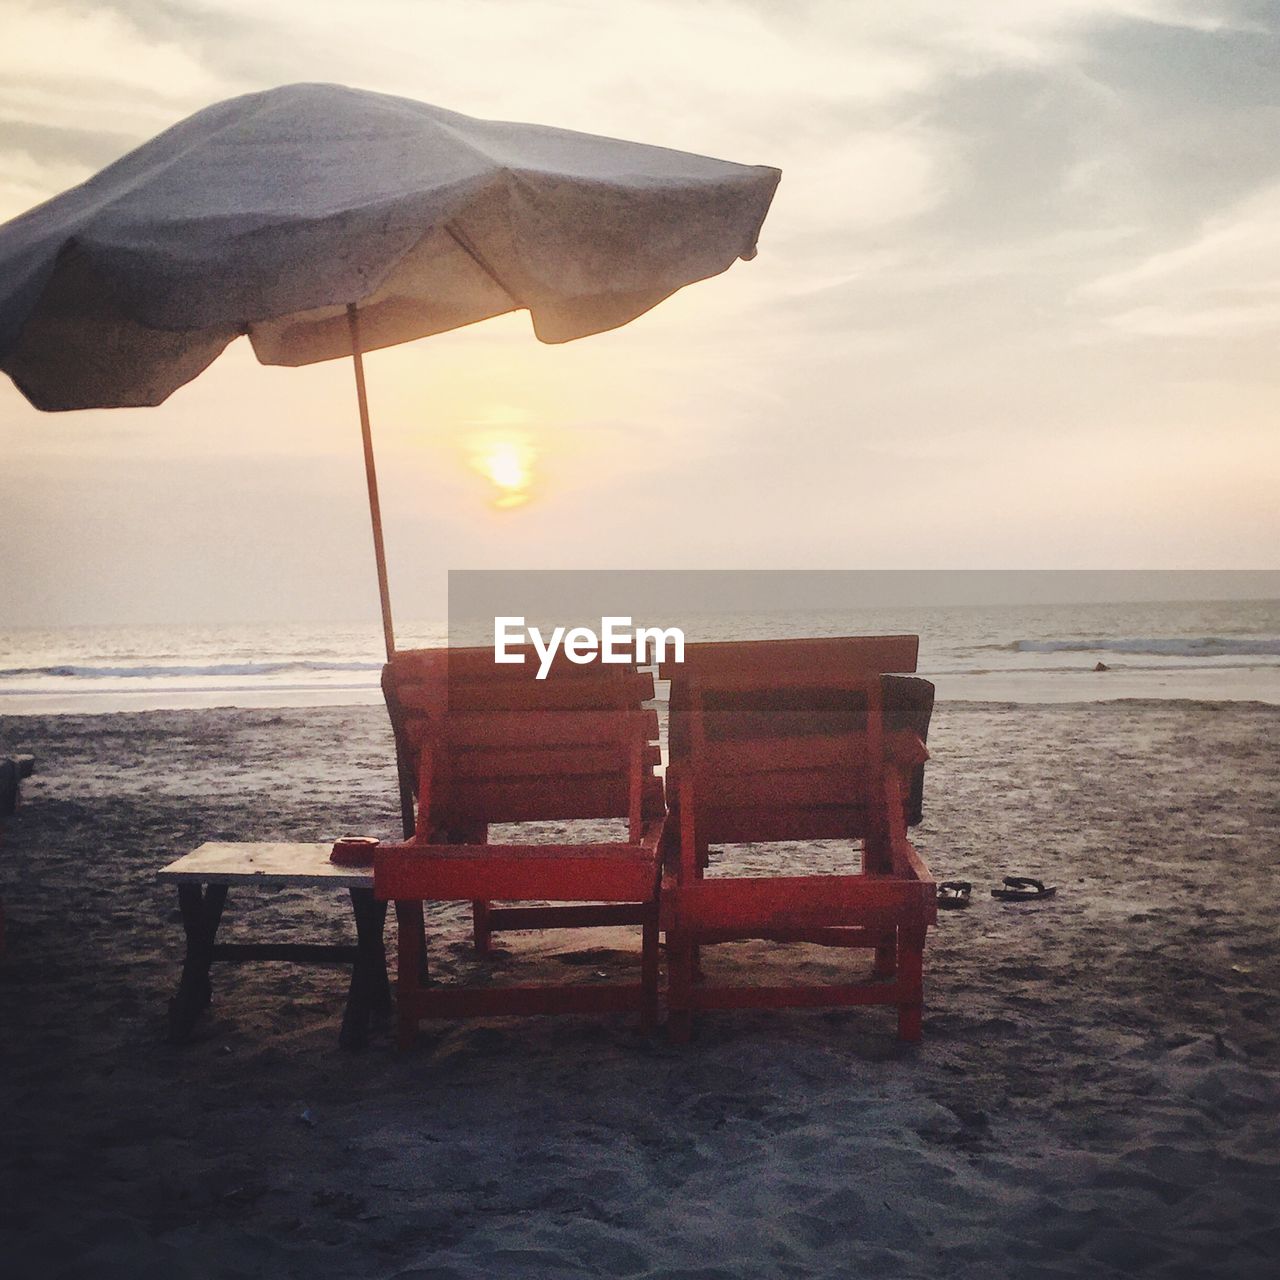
{"x": 1096, "y": 1093}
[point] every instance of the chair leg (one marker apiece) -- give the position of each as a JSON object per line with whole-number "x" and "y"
{"x": 911, "y": 978}
{"x": 410, "y": 969}
{"x": 680, "y": 953}
{"x": 481, "y": 930}
{"x": 649, "y": 971}
{"x": 886, "y": 962}
{"x": 702, "y": 862}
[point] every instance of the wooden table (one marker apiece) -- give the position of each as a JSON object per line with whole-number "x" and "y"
{"x": 203, "y": 878}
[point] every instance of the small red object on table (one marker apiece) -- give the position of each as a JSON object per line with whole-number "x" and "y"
{"x": 353, "y": 851}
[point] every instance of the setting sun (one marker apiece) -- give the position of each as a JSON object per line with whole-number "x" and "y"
{"x": 508, "y": 463}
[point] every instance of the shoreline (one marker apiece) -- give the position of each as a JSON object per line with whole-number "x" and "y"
{"x": 1231, "y": 684}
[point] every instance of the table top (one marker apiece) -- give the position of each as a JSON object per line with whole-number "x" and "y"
{"x": 268, "y": 863}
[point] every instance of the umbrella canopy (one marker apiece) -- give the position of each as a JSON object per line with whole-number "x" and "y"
{"x": 273, "y": 213}
{"x": 324, "y": 221}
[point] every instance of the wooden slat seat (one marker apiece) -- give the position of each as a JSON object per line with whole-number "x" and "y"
{"x": 481, "y": 743}
{"x": 784, "y": 741}
{"x": 551, "y": 873}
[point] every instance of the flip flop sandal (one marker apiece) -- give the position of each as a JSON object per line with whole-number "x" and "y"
{"x": 954, "y": 893}
{"x": 1023, "y": 889}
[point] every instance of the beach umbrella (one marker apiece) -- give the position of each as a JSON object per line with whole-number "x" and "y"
{"x": 322, "y": 221}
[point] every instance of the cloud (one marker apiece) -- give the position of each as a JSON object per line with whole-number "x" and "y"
{"x": 78, "y": 88}
{"x": 63, "y": 65}
{"x": 26, "y": 180}
{"x": 1223, "y": 281}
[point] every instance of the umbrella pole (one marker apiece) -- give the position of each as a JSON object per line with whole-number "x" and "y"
{"x": 380, "y": 555}
{"x": 371, "y": 477}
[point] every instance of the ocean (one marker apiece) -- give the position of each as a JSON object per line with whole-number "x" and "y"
{"x": 1202, "y": 651}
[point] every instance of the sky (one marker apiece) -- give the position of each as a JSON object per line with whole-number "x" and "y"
{"x": 1016, "y": 305}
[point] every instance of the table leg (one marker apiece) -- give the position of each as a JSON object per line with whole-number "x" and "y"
{"x": 201, "y": 908}
{"x": 370, "y": 990}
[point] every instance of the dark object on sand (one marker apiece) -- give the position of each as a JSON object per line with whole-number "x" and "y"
{"x": 353, "y": 851}
{"x": 954, "y": 893}
{"x": 1102, "y": 666}
{"x": 1023, "y": 889}
{"x": 12, "y": 770}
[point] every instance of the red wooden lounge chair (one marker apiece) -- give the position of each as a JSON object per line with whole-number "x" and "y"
{"x": 786, "y": 740}
{"x": 490, "y": 744}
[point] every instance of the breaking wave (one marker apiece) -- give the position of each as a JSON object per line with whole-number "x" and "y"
{"x": 1171, "y": 647}
{"x": 161, "y": 672}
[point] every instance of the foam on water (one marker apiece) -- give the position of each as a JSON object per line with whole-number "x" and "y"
{"x": 1162, "y": 646}
{"x": 168, "y": 671}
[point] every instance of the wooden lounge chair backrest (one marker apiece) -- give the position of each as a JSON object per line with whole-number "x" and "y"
{"x": 488, "y": 743}
{"x": 783, "y": 740}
